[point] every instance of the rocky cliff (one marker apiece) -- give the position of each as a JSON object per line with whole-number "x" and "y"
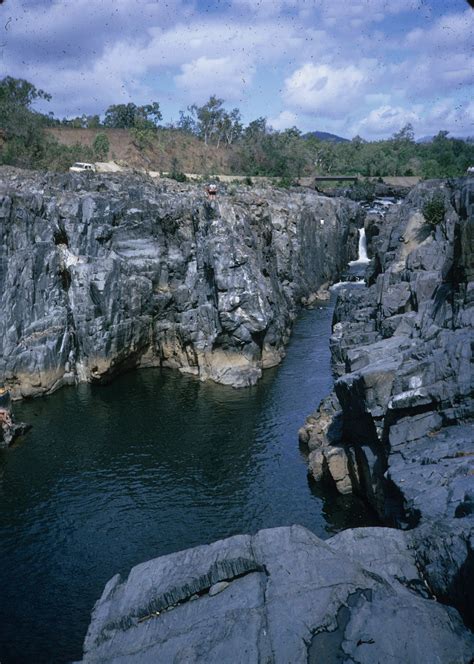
{"x": 280, "y": 596}
{"x": 401, "y": 352}
{"x": 102, "y": 273}
{"x": 398, "y": 428}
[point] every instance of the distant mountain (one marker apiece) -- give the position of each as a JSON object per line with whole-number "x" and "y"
{"x": 428, "y": 139}
{"x": 326, "y": 136}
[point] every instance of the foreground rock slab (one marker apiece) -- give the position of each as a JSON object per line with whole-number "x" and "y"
{"x": 288, "y": 597}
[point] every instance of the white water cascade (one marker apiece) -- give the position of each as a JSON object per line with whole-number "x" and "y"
{"x": 362, "y": 258}
{"x": 358, "y": 269}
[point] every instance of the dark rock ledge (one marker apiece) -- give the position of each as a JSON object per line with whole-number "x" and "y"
{"x": 398, "y": 431}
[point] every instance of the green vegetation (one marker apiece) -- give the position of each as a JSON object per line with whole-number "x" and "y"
{"x": 176, "y": 172}
{"x": 101, "y": 146}
{"x": 25, "y": 143}
{"x": 434, "y": 209}
{"x": 252, "y": 150}
{"x": 362, "y": 190}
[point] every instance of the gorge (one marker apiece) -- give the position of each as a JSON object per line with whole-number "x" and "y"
{"x": 115, "y": 274}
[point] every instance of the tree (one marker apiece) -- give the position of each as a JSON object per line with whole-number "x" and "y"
{"x": 150, "y": 113}
{"x": 101, "y": 146}
{"x": 406, "y": 134}
{"x": 120, "y": 116}
{"x": 230, "y": 126}
{"x": 20, "y": 93}
{"x": 127, "y": 116}
{"x": 93, "y": 121}
{"x": 256, "y": 129}
{"x": 22, "y": 127}
{"x": 208, "y": 118}
{"x": 187, "y": 123}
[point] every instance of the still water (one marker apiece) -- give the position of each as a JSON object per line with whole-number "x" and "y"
{"x": 153, "y": 463}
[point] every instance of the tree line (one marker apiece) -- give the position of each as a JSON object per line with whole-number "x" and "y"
{"x": 254, "y": 149}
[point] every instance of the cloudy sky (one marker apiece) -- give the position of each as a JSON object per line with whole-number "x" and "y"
{"x": 346, "y": 66}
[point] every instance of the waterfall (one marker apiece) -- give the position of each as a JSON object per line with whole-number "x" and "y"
{"x": 362, "y": 258}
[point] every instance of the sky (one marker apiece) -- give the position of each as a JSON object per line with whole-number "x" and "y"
{"x": 350, "y": 67}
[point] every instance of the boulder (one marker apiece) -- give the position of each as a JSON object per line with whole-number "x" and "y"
{"x": 289, "y": 597}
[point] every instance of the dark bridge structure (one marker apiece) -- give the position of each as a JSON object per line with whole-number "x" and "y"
{"x": 336, "y": 178}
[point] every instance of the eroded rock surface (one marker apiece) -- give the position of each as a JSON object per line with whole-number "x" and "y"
{"x": 102, "y": 273}
{"x": 290, "y": 597}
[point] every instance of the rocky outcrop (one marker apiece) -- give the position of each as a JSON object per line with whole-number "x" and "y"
{"x": 10, "y": 429}
{"x": 282, "y": 595}
{"x": 401, "y": 413}
{"x": 398, "y": 428}
{"x": 102, "y": 273}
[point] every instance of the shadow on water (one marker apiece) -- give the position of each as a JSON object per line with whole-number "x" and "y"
{"x": 153, "y": 463}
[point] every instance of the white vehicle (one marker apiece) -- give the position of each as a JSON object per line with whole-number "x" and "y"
{"x": 81, "y": 167}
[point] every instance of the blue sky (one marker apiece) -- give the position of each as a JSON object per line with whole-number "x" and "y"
{"x": 345, "y": 66}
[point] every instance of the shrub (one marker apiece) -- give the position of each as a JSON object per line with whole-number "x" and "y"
{"x": 101, "y": 146}
{"x": 176, "y": 172}
{"x": 285, "y": 182}
{"x": 434, "y": 209}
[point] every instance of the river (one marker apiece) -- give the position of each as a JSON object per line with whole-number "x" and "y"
{"x": 155, "y": 462}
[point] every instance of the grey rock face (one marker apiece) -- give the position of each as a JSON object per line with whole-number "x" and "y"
{"x": 102, "y": 273}
{"x": 290, "y": 598}
{"x": 402, "y": 407}
{"x": 10, "y": 429}
{"x": 402, "y": 352}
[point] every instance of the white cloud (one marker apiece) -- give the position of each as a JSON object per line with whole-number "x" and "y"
{"x": 309, "y": 57}
{"x": 451, "y": 31}
{"x": 325, "y": 89}
{"x": 265, "y": 8}
{"x": 457, "y": 116}
{"x": 431, "y": 74}
{"x": 226, "y": 77}
{"x": 385, "y": 120}
{"x": 438, "y": 58}
{"x": 284, "y": 120}
{"x": 353, "y": 14}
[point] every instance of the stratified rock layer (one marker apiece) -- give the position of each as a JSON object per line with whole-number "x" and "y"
{"x": 102, "y": 273}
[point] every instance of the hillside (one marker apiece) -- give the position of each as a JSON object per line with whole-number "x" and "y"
{"x": 326, "y": 136}
{"x": 171, "y": 150}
